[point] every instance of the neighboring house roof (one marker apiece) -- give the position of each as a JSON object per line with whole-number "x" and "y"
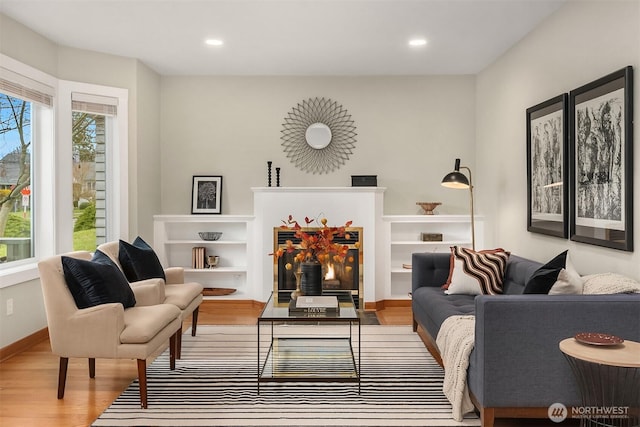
{"x": 10, "y": 168}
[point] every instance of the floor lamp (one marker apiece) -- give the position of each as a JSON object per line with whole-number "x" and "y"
{"x": 457, "y": 179}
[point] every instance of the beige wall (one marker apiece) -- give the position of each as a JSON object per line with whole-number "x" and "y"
{"x": 28, "y": 47}
{"x": 410, "y": 129}
{"x": 578, "y": 44}
{"x": 28, "y": 306}
{"x": 144, "y": 196}
{"x": 144, "y": 110}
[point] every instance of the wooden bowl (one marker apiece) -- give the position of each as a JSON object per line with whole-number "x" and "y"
{"x": 428, "y": 207}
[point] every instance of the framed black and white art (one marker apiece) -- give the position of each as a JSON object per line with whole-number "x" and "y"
{"x": 601, "y": 135}
{"x": 547, "y": 166}
{"x": 206, "y": 195}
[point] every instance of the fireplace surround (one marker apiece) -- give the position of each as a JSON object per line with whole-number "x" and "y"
{"x": 361, "y": 205}
{"x": 337, "y": 277}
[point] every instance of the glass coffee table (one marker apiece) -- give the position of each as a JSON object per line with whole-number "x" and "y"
{"x": 323, "y": 351}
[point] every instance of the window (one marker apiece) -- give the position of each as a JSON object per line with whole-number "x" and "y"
{"x": 43, "y": 110}
{"x": 26, "y": 129}
{"x": 93, "y": 137}
{"x": 16, "y": 241}
{"x": 90, "y": 141}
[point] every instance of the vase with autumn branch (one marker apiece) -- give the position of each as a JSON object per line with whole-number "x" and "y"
{"x": 317, "y": 247}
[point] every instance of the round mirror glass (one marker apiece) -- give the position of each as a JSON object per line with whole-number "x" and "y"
{"x": 318, "y": 135}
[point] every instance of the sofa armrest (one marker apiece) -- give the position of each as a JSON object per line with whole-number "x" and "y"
{"x": 174, "y": 275}
{"x": 80, "y": 338}
{"x": 148, "y": 292}
{"x": 429, "y": 269}
{"x": 516, "y": 361}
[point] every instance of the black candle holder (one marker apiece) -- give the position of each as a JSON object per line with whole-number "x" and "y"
{"x": 269, "y": 172}
{"x": 277, "y": 177}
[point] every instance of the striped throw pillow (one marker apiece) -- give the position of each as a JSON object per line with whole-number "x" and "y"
{"x": 478, "y": 272}
{"x": 452, "y": 263}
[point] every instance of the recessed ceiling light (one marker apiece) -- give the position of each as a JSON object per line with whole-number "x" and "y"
{"x": 214, "y": 42}
{"x": 417, "y": 42}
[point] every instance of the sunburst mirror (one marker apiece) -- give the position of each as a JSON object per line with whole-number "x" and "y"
{"x": 318, "y": 135}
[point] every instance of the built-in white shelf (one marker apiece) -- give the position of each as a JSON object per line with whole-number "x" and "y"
{"x": 404, "y": 237}
{"x": 247, "y": 240}
{"x": 176, "y": 235}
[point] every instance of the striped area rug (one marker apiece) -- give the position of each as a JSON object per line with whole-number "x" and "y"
{"x": 214, "y": 384}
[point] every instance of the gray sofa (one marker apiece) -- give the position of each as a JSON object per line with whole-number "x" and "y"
{"x": 516, "y": 369}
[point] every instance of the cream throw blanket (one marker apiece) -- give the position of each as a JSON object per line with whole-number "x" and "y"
{"x": 455, "y": 342}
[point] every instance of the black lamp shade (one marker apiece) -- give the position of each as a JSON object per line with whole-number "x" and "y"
{"x": 455, "y": 179}
{"x": 458, "y": 180}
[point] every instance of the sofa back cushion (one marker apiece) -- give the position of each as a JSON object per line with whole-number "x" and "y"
{"x": 429, "y": 269}
{"x": 518, "y": 272}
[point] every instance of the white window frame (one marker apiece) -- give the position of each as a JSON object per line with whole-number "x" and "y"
{"x": 116, "y": 156}
{"x": 52, "y": 170}
{"x": 43, "y": 170}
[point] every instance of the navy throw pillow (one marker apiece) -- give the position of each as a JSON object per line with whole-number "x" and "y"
{"x": 96, "y": 282}
{"x": 543, "y": 278}
{"x": 139, "y": 261}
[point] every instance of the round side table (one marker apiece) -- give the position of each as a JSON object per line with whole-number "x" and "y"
{"x": 609, "y": 381}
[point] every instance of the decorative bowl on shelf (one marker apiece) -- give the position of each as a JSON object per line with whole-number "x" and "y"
{"x": 210, "y": 235}
{"x": 428, "y": 207}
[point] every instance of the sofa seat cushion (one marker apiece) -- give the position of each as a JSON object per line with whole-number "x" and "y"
{"x": 431, "y": 306}
{"x": 182, "y": 294}
{"x": 141, "y": 324}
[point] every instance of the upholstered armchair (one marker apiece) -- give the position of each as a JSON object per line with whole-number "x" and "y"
{"x": 106, "y": 330}
{"x": 186, "y": 296}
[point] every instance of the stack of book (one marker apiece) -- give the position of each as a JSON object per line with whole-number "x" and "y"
{"x": 198, "y": 257}
{"x": 319, "y": 305}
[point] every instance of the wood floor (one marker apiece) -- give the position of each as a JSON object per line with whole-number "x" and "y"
{"x": 28, "y": 381}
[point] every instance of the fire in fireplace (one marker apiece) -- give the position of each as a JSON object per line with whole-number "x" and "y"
{"x": 338, "y": 277}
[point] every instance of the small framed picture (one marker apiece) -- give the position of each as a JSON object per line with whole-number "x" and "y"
{"x": 206, "y": 195}
{"x": 547, "y": 162}
{"x": 602, "y": 161}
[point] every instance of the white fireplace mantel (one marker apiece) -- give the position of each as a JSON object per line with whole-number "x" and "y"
{"x": 362, "y": 205}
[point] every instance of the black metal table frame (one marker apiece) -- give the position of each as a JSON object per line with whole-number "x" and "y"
{"x": 301, "y": 319}
{"x": 607, "y": 386}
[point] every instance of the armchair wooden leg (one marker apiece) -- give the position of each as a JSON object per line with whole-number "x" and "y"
{"x": 173, "y": 344}
{"x": 142, "y": 380}
{"x": 194, "y": 321}
{"x": 92, "y": 367}
{"x": 62, "y": 376}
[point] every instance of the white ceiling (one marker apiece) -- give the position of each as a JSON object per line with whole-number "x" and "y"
{"x": 289, "y": 37}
